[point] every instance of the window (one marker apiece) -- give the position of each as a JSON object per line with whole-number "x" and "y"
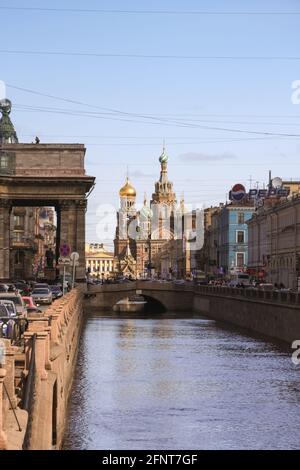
{"x": 240, "y": 236}
{"x": 4, "y": 161}
{"x": 240, "y": 218}
{"x": 18, "y": 236}
{"x": 240, "y": 260}
{"x": 19, "y": 220}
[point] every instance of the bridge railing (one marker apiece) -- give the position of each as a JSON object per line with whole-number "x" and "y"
{"x": 273, "y": 296}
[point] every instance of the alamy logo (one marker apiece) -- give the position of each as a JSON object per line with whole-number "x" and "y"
{"x": 296, "y": 354}
{"x": 2, "y": 90}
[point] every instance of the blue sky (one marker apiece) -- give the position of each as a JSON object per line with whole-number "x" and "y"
{"x": 249, "y": 95}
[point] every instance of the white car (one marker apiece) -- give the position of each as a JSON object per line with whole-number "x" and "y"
{"x": 17, "y": 300}
{"x": 42, "y": 296}
{"x": 10, "y": 306}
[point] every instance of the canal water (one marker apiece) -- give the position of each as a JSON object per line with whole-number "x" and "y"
{"x": 180, "y": 382}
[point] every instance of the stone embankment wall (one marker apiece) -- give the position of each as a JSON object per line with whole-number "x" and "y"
{"x": 272, "y": 314}
{"x": 275, "y": 314}
{"x": 51, "y": 345}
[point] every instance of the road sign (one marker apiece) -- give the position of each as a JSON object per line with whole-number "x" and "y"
{"x": 64, "y": 261}
{"x": 74, "y": 256}
{"x": 64, "y": 250}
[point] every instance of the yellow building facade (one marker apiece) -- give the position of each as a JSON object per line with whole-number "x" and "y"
{"x": 99, "y": 261}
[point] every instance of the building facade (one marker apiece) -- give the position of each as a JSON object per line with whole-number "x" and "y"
{"x": 225, "y": 247}
{"x": 178, "y": 257}
{"x": 32, "y": 241}
{"x": 209, "y": 254}
{"x": 233, "y": 237}
{"x": 274, "y": 241}
{"x": 99, "y": 261}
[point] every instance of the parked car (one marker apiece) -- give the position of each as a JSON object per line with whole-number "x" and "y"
{"x": 42, "y": 296}
{"x": 202, "y": 283}
{"x": 9, "y": 304}
{"x": 11, "y": 287}
{"x": 3, "y": 287}
{"x": 4, "y": 312}
{"x": 239, "y": 279}
{"x": 41, "y": 285}
{"x": 266, "y": 286}
{"x": 30, "y": 305}
{"x": 17, "y": 300}
{"x": 6, "y": 324}
{"x": 56, "y": 292}
{"x": 20, "y": 285}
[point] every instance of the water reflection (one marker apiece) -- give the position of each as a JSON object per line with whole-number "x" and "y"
{"x": 172, "y": 382}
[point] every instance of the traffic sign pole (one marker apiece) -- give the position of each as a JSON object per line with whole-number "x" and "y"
{"x": 74, "y": 271}
{"x": 64, "y": 279}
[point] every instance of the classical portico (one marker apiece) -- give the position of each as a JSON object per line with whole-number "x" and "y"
{"x": 45, "y": 175}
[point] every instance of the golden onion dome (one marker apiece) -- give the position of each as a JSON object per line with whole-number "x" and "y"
{"x": 127, "y": 190}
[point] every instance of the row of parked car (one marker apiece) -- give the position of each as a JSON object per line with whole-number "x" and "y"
{"x": 19, "y": 299}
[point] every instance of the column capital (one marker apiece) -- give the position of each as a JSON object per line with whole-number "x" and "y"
{"x": 81, "y": 203}
{"x": 66, "y": 203}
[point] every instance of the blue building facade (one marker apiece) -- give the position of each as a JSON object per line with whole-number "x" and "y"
{"x": 233, "y": 237}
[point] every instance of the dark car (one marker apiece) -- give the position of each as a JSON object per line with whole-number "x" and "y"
{"x": 56, "y": 292}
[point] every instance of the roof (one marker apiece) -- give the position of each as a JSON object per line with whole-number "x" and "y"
{"x": 127, "y": 190}
{"x": 99, "y": 255}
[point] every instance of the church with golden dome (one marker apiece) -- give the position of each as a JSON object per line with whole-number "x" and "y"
{"x": 140, "y": 234}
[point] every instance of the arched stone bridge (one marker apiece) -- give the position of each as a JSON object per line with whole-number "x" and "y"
{"x": 161, "y": 296}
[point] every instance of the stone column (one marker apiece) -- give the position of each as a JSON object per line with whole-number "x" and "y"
{"x": 80, "y": 239}
{"x": 28, "y": 338}
{"x": 5, "y": 208}
{"x": 65, "y": 226}
{"x": 40, "y": 353}
{"x": 10, "y": 371}
{"x": 48, "y": 364}
{"x": 3, "y": 438}
{"x": 72, "y": 230}
{"x": 54, "y": 327}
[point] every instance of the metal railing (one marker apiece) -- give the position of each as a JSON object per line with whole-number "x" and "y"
{"x": 274, "y": 296}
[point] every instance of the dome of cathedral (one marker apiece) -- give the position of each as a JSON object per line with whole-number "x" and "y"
{"x": 127, "y": 190}
{"x": 164, "y": 157}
